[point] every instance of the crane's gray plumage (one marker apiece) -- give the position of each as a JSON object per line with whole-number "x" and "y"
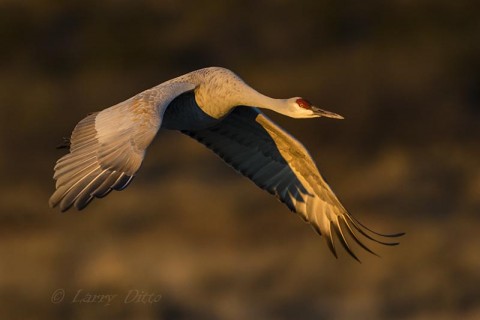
{"x": 215, "y": 107}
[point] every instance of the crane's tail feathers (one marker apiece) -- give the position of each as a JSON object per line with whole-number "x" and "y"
{"x": 65, "y": 143}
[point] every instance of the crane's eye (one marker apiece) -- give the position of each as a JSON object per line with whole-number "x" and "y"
{"x": 305, "y": 104}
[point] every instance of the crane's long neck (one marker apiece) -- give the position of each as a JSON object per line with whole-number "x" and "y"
{"x": 253, "y": 98}
{"x": 218, "y": 90}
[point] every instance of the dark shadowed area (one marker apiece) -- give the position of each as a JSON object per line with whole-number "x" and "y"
{"x": 190, "y": 238}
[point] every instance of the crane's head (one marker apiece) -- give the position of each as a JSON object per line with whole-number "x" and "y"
{"x": 302, "y": 108}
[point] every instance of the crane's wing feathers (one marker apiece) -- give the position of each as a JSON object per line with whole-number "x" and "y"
{"x": 105, "y": 152}
{"x": 275, "y": 161}
{"x": 107, "y": 148}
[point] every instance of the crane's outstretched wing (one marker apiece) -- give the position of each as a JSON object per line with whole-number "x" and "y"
{"x": 108, "y": 147}
{"x": 275, "y": 161}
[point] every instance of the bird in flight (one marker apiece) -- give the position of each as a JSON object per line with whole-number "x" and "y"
{"x": 218, "y": 109}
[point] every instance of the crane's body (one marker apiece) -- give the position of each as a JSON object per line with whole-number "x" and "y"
{"x": 184, "y": 113}
{"x": 217, "y": 108}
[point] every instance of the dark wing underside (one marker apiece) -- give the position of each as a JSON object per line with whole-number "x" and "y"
{"x": 276, "y": 162}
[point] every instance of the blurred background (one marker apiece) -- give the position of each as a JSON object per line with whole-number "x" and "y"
{"x": 203, "y": 239}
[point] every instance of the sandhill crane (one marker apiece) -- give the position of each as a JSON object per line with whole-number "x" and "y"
{"x": 218, "y": 109}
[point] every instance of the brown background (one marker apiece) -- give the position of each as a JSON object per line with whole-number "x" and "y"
{"x": 406, "y": 76}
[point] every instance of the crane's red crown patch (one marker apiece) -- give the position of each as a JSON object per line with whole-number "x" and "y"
{"x": 304, "y": 103}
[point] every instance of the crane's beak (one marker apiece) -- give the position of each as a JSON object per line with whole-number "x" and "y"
{"x": 325, "y": 113}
